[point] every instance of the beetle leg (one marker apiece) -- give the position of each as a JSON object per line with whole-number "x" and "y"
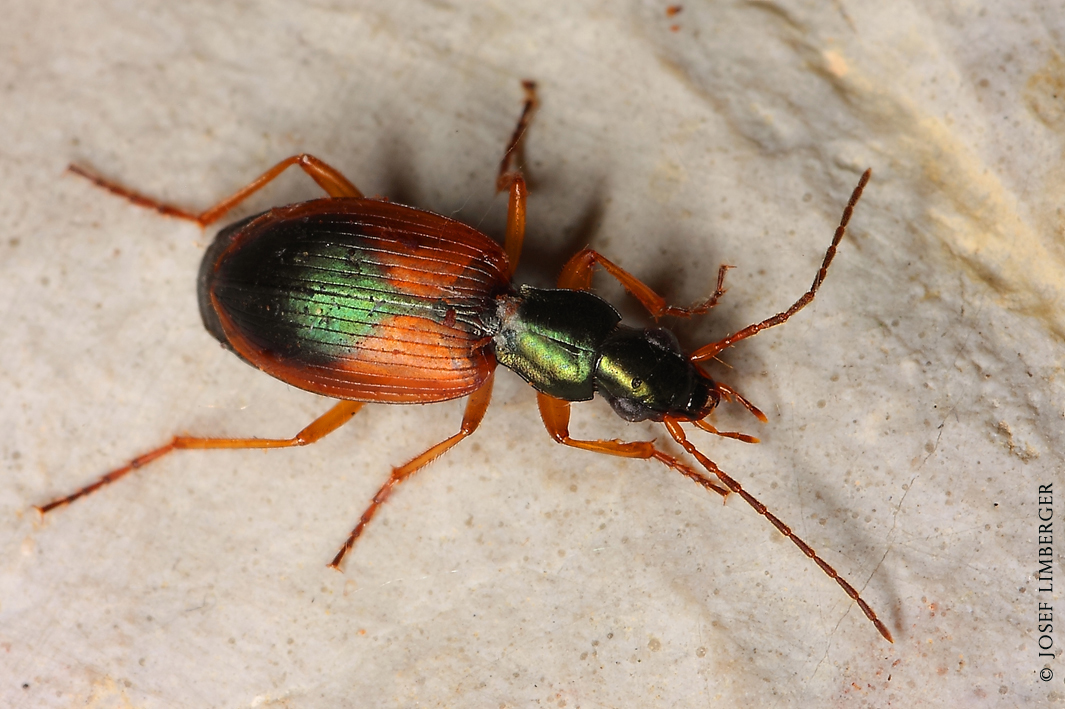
{"x": 577, "y": 275}
{"x": 708, "y": 351}
{"x": 731, "y": 394}
{"x": 510, "y": 178}
{"x": 724, "y": 434}
{"x": 516, "y": 145}
{"x": 329, "y": 178}
{"x": 555, "y": 413}
{"x": 673, "y": 426}
{"x": 515, "y": 235}
{"x": 131, "y": 196}
{"x": 325, "y": 424}
{"x": 476, "y": 405}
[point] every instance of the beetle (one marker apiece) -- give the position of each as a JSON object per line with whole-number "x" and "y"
{"x": 365, "y": 300}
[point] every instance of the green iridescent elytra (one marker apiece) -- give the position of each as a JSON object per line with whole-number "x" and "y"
{"x": 380, "y": 301}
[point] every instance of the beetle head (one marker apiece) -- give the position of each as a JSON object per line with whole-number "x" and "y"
{"x": 645, "y": 375}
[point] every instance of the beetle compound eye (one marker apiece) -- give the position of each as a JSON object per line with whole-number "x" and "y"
{"x": 636, "y": 383}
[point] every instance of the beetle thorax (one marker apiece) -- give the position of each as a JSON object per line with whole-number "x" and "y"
{"x": 552, "y": 339}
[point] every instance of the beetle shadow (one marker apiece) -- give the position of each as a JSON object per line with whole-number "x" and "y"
{"x": 544, "y": 253}
{"x": 547, "y": 248}
{"x": 854, "y": 552}
{"x": 674, "y": 276}
{"x": 397, "y": 179}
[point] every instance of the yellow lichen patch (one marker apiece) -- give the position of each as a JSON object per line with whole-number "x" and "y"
{"x": 979, "y": 219}
{"x": 1044, "y": 94}
{"x": 835, "y": 63}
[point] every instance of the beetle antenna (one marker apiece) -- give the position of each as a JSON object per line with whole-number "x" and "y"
{"x": 673, "y": 426}
{"x": 707, "y": 352}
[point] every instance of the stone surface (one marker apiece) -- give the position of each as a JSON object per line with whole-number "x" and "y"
{"x": 914, "y": 408}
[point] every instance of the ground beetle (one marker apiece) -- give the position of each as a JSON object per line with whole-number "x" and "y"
{"x": 364, "y": 300}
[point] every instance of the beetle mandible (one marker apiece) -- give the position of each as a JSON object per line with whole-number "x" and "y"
{"x": 364, "y": 300}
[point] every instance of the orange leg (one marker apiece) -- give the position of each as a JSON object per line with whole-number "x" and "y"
{"x": 577, "y": 275}
{"x": 330, "y": 180}
{"x": 515, "y": 147}
{"x": 701, "y": 423}
{"x": 510, "y": 178}
{"x": 731, "y": 394}
{"x": 675, "y": 430}
{"x": 476, "y": 405}
{"x": 325, "y": 424}
{"x": 709, "y": 351}
{"x": 555, "y": 413}
{"x": 515, "y": 222}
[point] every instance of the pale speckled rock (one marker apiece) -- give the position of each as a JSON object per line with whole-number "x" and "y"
{"x": 914, "y": 408}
